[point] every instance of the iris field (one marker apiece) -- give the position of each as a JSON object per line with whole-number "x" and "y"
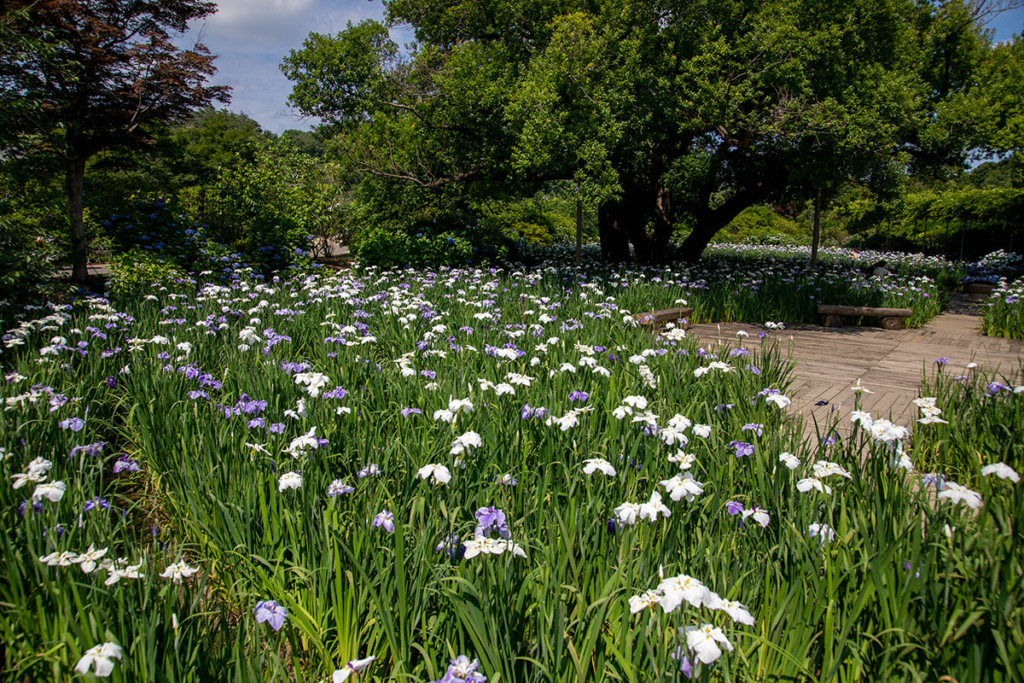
{"x": 472, "y": 474}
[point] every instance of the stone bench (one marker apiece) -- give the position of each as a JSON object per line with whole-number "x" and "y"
{"x": 668, "y": 315}
{"x": 978, "y": 288}
{"x": 892, "y": 318}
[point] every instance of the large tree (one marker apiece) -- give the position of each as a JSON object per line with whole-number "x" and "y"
{"x": 677, "y": 114}
{"x": 99, "y": 71}
{"x": 996, "y": 110}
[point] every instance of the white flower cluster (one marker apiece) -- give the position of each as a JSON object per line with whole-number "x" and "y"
{"x": 713, "y": 365}
{"x": 627, "y": 514}
{"x": 929, "y": 411}
{"x": 706, "y": 641}
{"x": 482, "y": 545}
{"x": 881, "y": 430}
{"x": 312, "y": 382}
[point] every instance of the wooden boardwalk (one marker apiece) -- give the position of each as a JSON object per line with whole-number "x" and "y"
{"x": 830, "y": 360}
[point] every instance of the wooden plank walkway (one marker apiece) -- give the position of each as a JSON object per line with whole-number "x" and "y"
{"x": 890, "y": 363}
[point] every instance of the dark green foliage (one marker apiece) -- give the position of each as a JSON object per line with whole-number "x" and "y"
{"x": 136, "y": 273}
{"x": 305, "y": 142}
{"x": 33, "y": 231}
{"x": 992, "y": 175}
{"x": 28, "y": 257}
{"x": 449, "y": 239}
{"x": 167, "y": 235}
{"x": 213, "y": 139}
{"x": 665, "y": 115}
{"x": 763, "y": 225}
{"x": 968, "y": 222}
{"x": 95, "y": 75}
{"x": 158, "y": 228}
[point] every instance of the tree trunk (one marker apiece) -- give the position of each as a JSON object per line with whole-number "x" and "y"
{"x": 709, "y": 221}
{"x": 613, "y": 235}
{"x": 707, "y": 225}
{"x": 75, "y": 181}
{"x": 816, "y": 233}
{"x": 697, "y": 241}
{"x": 624, "y": 221}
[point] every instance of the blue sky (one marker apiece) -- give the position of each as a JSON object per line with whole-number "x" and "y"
{"x": 1008, "y": 24}
{"x": 250, "y": 37}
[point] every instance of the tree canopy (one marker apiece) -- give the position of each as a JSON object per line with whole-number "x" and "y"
{"x": 97, "y": 72}
{"x": 675, "y": 115}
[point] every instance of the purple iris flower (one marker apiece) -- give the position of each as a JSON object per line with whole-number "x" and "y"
{"x": 451, "y": 547}
{"x": 249, "y": 406}
{"x": 430, "y": 374}
{"x": 406, "y": 412}
{"x": 338, "y": 487}
{"x": 197, "y": 394}
{"x": 462, "y": 670}
{"x": 75, "y": 424}
{"x": 36, "y": 506}
{"x": 754, "y": 369}
{"x": 941, "y": 361}
{"x": 271, "y": 612}
{"x": 743, "y": 449}
{"x": 125, "y": 464}
{"x": 257, "y": 422}
{"x": 111, "y": 382}
{"x": 538, "y": 413}
{"x": 93, "y": 449}
{"x": 336, "y": 392}
{"x": 994, "y": 388}
{"x": 386, "y": 520}
{"x": 488, "y": 518}
{"x": 738, "y": 352}
{"x": 684, "y": 662}
{"x": 276, "y": 428}
{"x": 101, "y": 503}
{"x": 580, "y": 396}
{"x": 734, "y": 507}
{"x": 754, "y": 427}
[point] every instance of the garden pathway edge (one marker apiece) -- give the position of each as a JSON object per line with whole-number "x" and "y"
{"x": 890, "y": 363}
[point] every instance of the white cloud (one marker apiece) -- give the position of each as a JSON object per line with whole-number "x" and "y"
{"x": 266, "y": 25}
{"x": 251, "y": 37}
{"x": 229, "y": 11}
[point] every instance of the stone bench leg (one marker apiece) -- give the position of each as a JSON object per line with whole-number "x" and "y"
{"x": 832, "y": 320}
{"x": 892, "y": 323}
